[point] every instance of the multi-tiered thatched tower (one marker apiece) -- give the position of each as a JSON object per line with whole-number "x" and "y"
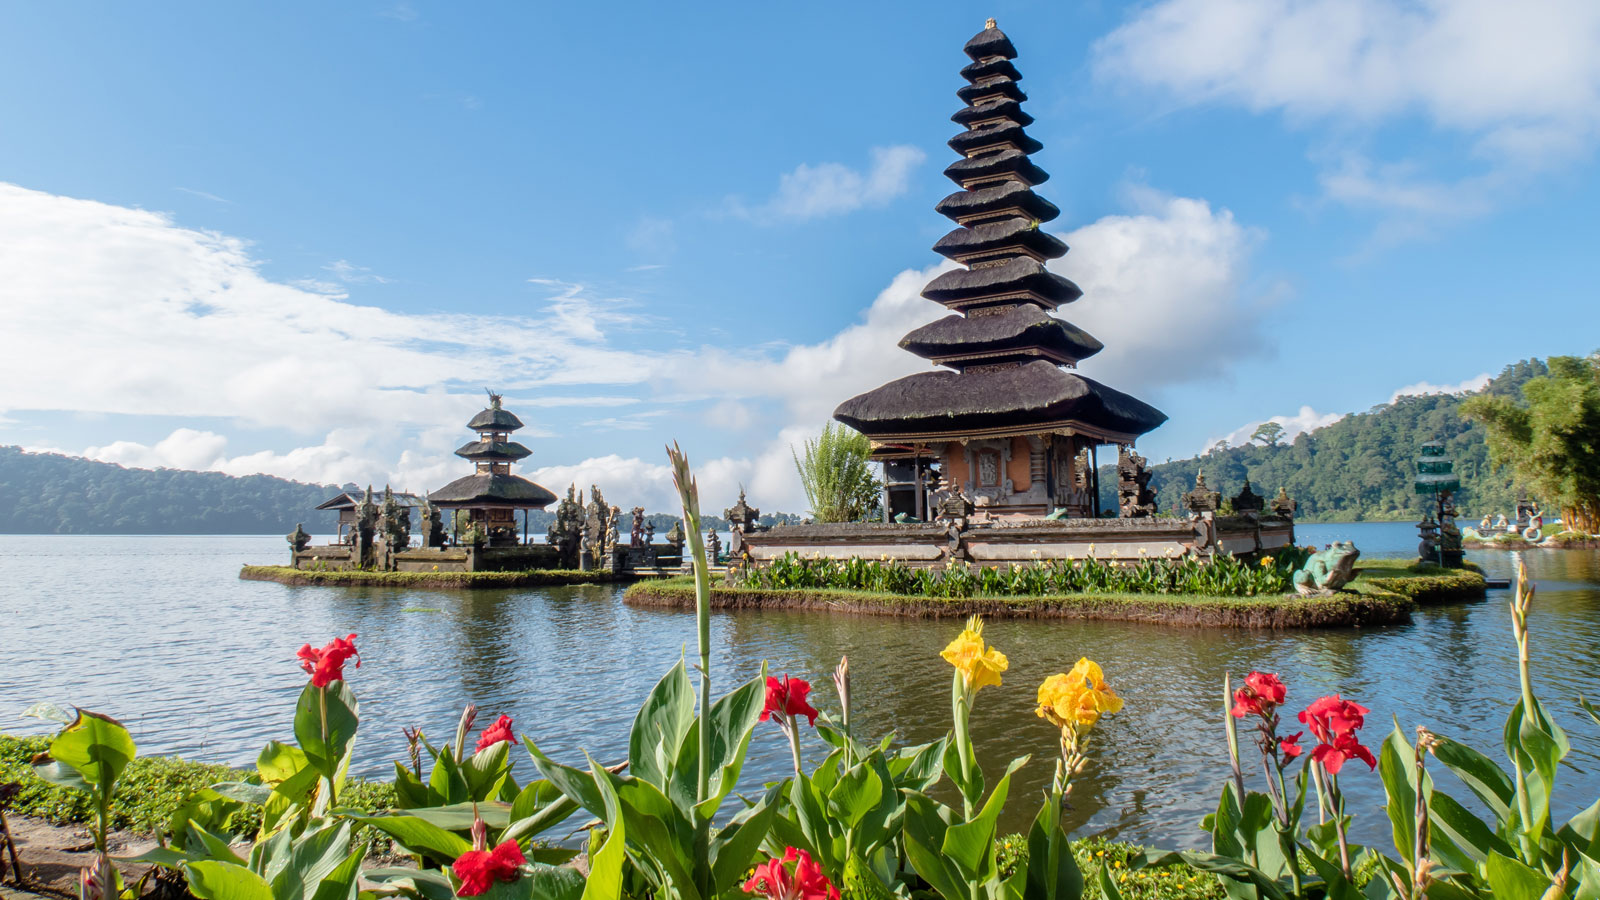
{"x": 1004, "y": 421}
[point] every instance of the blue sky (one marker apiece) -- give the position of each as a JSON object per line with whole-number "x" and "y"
{"x": 301, "y": 238}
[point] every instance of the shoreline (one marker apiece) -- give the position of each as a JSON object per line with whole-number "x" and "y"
{"x": 1374, "y": 598}
{"x": 436, "y": 580}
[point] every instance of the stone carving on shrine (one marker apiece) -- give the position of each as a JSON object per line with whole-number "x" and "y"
{"x": 1283, "y": 505}
{"x": 1135, "y": 499}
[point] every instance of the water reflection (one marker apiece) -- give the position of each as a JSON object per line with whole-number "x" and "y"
{"x": 159, "y": 631}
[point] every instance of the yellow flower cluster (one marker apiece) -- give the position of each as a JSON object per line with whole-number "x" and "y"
{"x": 980, "y": 665}
{"x": 1078, "y": 698}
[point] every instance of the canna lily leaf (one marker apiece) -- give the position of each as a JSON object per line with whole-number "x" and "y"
{"x": 97, "y": 747}
{"x": 1511, "y": 880}
{"x": 326, "y": 752}
{"x": 419, "y": 835}
{"x": 212, "y": 880}
{"x": 48, "y": 711}
{"x": 660, "y": 727}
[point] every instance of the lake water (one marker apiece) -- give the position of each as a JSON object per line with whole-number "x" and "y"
{"x": 160, "y": 633}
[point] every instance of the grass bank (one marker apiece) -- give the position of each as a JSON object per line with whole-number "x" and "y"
{"x": 1368, "y": 605}
{"x": 1425, "y": 584}
{"x": 447, "y": 580}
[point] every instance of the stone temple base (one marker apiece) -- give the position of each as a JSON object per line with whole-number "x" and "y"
{"x": 1019, "y": 541}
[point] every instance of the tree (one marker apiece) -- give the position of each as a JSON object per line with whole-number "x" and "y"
{"x": 1268, "y": 433}
{"x": 1219, "y": 447}
{"x": 1551, "y": 440}
{"x": 836, "y": 473}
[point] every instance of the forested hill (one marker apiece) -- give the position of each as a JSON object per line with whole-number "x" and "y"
{"x": 45, "y": 493}
{"x": 1360, "y": 467}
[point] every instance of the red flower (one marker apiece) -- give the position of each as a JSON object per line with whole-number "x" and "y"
{"x": 803, "y": 881}
{"x": 494, "y": 734}
{"x": 1345, "y": 746}
{"x": 786, "y": 698}
{"x": 326, "y": 666}
{"x": 480, "y": 869}
{"x": 1291, "y": 745}
{"x": 1261, "y": 694}
{"x": 1330, "y": 717}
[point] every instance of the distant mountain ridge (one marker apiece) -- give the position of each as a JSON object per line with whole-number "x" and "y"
{"x": 1361, "y": 467}
{"x": 47, "y": 493}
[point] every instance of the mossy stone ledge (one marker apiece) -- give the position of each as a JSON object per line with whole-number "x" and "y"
{"x": 440, "y": 580}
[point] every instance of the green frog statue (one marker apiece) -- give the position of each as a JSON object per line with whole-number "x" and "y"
{"x": 1327, "y": 570}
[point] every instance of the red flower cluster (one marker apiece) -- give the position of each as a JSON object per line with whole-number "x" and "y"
{"x": 786, "y": 697}
{"x": 802, "y": 881}
{"x": 494, "y": 734}
{"x": 1334, "y": 722}
{"x": 1262, "y": 693}
{"x": 1290, "y": 746}
{"x": 325, "y": 666}
{"x": 480, "y": 869}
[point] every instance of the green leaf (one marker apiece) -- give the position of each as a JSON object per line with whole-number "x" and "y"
{"x": 606, "y": 864}
{"x": 50, "y": 712}
{"x": 97, "y": 747}
{"x": 575, "y": 783}
{"x": 1052, "y": 872}
{"x": 927, "y": 823}
{"x": 1108, "y": 887}
{"x": 537, "y": 807}
{"x": 212, "y": 880}
{"x": 1467, "y": 840}
{"x": 735, "y": 846}
{"x": 486, "y": 770}
{"x": 1480, "y": 774}
{"x": 918, "y": 768}
{"x": 660, "y": 727}
{"x": 970, "y": 845}
{"x": 428, "y": 884}
{"x": 341, "y": 883}
{"x": 446, "y": 783}
{"x": 409, "y": 788}
{"x": 312, "y": 858}
{"x": 858, "y": 791}
{"x": 733, "y": 719}
{"x": 419, "y": 835}
{"x": 1511, "y": 880}
{"x": 1397, "y": 768}
{"x": 243, "y": 792}
{"x": 343, "y": 710}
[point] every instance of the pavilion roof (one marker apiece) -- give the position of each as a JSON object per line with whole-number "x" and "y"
{"x": 1009, "y": 333}
{"x": 998, "y": 198}
{"x": 492, "y": 489}
{"x": 507, "y": 451}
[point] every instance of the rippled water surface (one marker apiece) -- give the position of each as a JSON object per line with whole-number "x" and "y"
{"x": 159, "y": 632}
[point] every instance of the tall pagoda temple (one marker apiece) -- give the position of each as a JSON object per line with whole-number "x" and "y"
{"x": 491, "y": 494}
{"x": 1004, "y": 421}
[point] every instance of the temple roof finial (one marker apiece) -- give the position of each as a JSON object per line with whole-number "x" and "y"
{"x": 989, "y": 23}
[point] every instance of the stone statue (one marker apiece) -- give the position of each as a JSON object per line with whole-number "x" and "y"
{"x": 1327, "y": 570}
{"x": 298, "y": 539}
{"x": 395, "y": 521}
{"x": 1486, "y": 524}
{"x": 432, "y": 525}
{"x": 675, "y": 536}
{"x": 742, "y": 517}
{"x": 1248, "y": 502}
{"x": 1282, "y": 505}
{"x": 1134, "y": 497}
{"x": 363, "y": 530}
{"x": 566, "y": 532}
{"x": 1428, "y": 534}
{"x": 636, "y": 536}
{"x": 1202, "y": 499}
{"x": 649, "y": 533}
{"x": 713, "y": 546}
{"x": 613, "y": 536}
{"x": 1535, "y": 529}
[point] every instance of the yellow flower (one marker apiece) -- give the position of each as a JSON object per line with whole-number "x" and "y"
{"x": 980, "y": 665}
{"x": 1266, "y": 561}
{"x": 1078, "y": 698}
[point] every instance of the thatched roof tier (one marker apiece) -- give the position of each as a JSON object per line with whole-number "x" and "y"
{"x": 972, "y": 94}
{"x": 1000, "y": 135}
{"x": 494, "y": 419}
{"x": 990, "y": 68}
{"x": 1010, "y": 164}
{"x": 487, "y": 489}
{"x": 1020, "y": 278}
{"x": 1003, "y": 108}
{"x": 1029, "y": 398}
{"x": 1014, "y": 236}
{"x": 991, "y": 41}
{"x": 988, "y": 202}
{"x": 498, "y": 451}
{"x": 1011, "y": 333}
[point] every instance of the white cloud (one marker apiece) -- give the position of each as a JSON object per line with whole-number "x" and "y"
{"x": 1519, "y": 81}
{"x": 1475, "y": 383}
{"x": 1307, "y": 419}
{"x": 830, "y": 189}
{"x": 173, "y": 322}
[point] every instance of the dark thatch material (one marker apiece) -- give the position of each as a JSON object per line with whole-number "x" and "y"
{"x": 1008, "y": 162}
{"x": 988, "y": 237}
{"x": 352, "y": 499}
{"x": 1032, "y": 393}
{"x": 1003, "y": 108}
{"x": 507, "y": 451}
{"x": 995, "y": 135}
{"x": 1001, "y": 67}
{"x": 1007, "y": 195}
{"x": 1001, "y": 336}
{"x": 494, "y": 420}
{"x": 970, "y": 94}
{"x": 990, "y": 42}
{"x": 492, "y": 489}
{"x": 962, "y": 286}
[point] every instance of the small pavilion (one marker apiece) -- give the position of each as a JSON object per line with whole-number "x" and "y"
{"x": 1004, "y": 422}
{"x": 492, "y": 495}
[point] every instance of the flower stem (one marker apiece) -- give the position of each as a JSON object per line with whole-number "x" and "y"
{"x": 792, "y": 729}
